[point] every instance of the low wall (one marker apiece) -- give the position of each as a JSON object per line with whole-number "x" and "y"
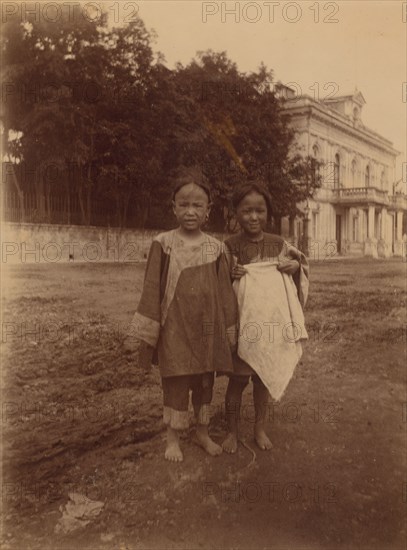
{"x": 38, "y": 243}
{"x": 50, "y": 243}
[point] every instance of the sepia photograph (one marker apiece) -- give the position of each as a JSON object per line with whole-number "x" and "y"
{"x": 209, "y": 194}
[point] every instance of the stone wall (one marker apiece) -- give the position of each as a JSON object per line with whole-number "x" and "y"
{"x": 41, "y": 243}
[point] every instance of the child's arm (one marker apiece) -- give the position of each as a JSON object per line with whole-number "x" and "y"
{"x": 145, "y": 325}
{"x": 145, "y": 355}
{"x": 289, "y": 266}
{"x": 228, "y": 296}
{"x": 301, "y": 274}
{"x": 236, "y": 270}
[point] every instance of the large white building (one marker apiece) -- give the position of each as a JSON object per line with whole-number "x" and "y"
{"x": 359, "y": 209}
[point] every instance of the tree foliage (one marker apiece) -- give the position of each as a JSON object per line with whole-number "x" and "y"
{"x": 100, "y": 107}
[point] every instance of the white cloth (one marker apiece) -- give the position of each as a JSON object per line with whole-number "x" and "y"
{"x": 271, "y": 324}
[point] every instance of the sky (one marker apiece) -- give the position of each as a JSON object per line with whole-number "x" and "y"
{"x": 350, "y": 43}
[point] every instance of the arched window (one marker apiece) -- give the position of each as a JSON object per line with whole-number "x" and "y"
{"x": 314, "y": 163}
{"x": 367, "y": 176}
{"x": 383, "y": 180}
{"x": 355, "y": 114}
{"x": 353, "y": 170}
{"x": 337, "y": 170}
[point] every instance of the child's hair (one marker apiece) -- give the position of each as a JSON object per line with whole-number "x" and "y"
{"x": 186, "y": 175}
{"x": 252, "y": 187}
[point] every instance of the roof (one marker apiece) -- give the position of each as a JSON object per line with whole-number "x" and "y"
{"x": 357, "y": 97}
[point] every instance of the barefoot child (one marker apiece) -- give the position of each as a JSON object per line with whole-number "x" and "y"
{"x": 185, "y": 311}
{"x": 271, "y": 319}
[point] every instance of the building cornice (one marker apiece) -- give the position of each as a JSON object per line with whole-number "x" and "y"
{"x": 307, "y": 107}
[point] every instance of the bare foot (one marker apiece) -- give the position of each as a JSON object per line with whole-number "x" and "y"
{"x": 203, "y": 439}
{"x": 230, "y": 443}
{"x": 262, "y": 439}
{"x": 173, "y": 452}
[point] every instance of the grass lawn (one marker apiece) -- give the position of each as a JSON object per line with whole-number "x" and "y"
{"x": 80, "y": 416}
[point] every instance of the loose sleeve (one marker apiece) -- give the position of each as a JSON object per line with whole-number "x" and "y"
{"x": 228, "y": 298}
{"x": 146, "y": 320}
{"x": 301, "y": 277}
{"x": 230, "y": 258}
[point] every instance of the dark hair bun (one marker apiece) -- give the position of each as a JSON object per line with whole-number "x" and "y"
{"x": 191, "y": 174}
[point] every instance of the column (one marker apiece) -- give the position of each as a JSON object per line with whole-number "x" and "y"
{"x": 370, "y": 222}
{"x": 292, "y": 230}
{"x": 349, "y": 229}
{"x": 371, "y": 242}
{"x": 347, "y": 181}
{"x": 306, "y": 244}
{"x": 398, "y": 244}
{"x": 399, "y": 234}
{"x": 383, "y": 247}
{"x": 361, "y": 219}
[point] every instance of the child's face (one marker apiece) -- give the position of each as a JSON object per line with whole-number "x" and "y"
{"x": 191, "y": 207}
{"x": 252, "y": 214}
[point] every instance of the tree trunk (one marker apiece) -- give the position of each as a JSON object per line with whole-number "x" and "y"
{"x": 276, "y": 225}
{"x": 88, "y": 205}
{"x": 67, "y": 201}
{"x": 48, "y": 205}
{"x": 81, "y": 206}
{"x": 84, "y": 195}
{"x": 20, "y": 194}
{"x": 89, "y": 175}
{"x": 68, "y": 208}
{"x": 145, "y": 211}
{"x": 126, "y": 208}
{"x": 118, "y": 213}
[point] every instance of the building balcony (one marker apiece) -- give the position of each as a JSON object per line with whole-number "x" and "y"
{"x": 398, "y": 202}
{"x": 363, "y": 196}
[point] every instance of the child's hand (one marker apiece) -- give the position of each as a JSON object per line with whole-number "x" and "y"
{"x": 238, "y": 271}
{"x": 145, "y": 356}
{"x": 288, "y": 266}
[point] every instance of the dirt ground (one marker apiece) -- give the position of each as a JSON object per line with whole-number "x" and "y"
{"x": 79, "y": 417}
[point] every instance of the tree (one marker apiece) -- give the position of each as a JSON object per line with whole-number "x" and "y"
{"x": 98, "y": 110}
{"x": 76, "y": 96}
{"x": 47, "y": 68}
{"x": 235, "y": 129}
